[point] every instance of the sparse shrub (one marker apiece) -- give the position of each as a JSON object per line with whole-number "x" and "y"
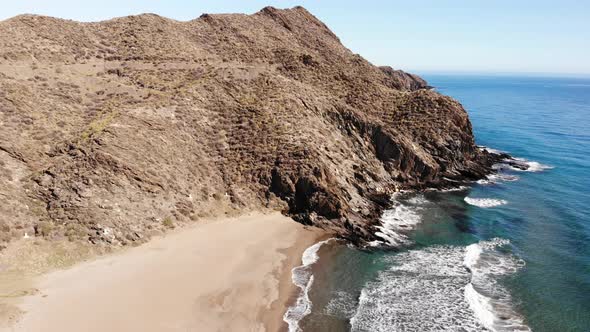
{"x": 98, "y": 125}
{"x": 75, "y": 232}
{"x": 44, "y": 228}
{"x": 167, "y": 222}
{"x": 4, "y": 228}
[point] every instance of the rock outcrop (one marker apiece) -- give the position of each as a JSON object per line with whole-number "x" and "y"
{"x": 400, "y": 80}
{"x": 113, "y": 131}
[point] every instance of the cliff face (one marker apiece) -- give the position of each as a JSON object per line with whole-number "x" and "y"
{"x": 114, "y": 130}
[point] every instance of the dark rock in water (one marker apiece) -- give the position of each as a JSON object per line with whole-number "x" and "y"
{"x": 516, "y": 164}
{"x": 501, "y": 158}
{"x": 142, "y": 122}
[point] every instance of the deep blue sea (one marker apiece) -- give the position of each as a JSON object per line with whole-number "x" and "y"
{"x": 511, "y": 253}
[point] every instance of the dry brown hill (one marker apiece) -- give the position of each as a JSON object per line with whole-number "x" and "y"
{"x": 115, "y": 130}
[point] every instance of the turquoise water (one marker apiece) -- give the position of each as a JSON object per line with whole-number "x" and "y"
{"x": 509, "y": 254}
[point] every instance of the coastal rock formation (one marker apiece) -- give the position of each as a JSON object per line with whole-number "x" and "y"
{"x": 116, "y": 130}
{"x": 401, "y": 80}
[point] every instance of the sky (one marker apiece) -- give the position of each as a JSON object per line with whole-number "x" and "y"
{"x": 499, "y": 36}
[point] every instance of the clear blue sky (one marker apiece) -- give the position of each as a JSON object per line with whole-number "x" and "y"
{"x": 429, "y": 35}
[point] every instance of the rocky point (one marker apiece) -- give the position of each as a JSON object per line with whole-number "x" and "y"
{"x": 113, "y": 131}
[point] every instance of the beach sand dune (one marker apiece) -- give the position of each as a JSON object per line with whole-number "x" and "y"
{"x": 224, "y": 275}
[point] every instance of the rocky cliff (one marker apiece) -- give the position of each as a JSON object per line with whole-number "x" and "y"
{"x": 115, "y": 130}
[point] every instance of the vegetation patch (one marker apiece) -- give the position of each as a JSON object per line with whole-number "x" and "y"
{"x": 99, "y": 125}
{"x": 167, "y": 222}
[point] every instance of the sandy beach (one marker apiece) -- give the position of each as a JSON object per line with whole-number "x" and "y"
{"x": 224, "y": 275}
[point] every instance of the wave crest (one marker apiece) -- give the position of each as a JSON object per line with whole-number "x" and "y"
{"x": 441, "y": 288}
{"x": 485, "y": 202}
{"x": 302, "y": 278}
{"x": 489, "y": 301}
{"x": 399, "y": 220}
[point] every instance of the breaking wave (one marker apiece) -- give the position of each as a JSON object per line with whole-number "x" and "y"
{"x": 485, "y": 202}
{"x": 521, "y": 165}
{"x": 441, "y": 288}
{"x": 497, "y": 178}
{"x": 533, "y": 166}
{"x": 399, "y": 220}
{"x": 517, "y": 164}
{"x": 490, "y": 302}
{"x": 302, "y": 277}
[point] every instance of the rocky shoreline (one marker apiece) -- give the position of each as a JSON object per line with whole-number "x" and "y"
{"x": 119, "y": 130}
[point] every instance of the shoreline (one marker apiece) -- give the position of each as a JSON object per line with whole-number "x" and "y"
{"x": 220, "y": 275}
{"x": 288, "y": 291}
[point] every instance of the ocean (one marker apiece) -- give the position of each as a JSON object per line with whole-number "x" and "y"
{"x": 510, "y": 253}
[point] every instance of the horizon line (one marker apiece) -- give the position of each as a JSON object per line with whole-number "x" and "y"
{"x": 469, "y": 72}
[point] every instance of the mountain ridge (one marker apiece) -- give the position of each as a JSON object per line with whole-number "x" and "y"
{"x": 116, "y": 130}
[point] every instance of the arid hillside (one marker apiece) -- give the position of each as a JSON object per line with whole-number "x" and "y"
{"x": 116, "y": 130}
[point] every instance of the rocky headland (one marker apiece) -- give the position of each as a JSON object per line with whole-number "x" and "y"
{"x": 114, "y": 131}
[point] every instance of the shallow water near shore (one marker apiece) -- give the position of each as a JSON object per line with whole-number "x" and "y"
{"x": 511, "y": 253}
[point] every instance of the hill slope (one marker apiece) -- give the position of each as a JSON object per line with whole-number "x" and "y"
{"x": 114, "y": 130}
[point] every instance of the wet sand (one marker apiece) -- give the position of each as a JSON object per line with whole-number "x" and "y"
{"x": 225, "y": 275}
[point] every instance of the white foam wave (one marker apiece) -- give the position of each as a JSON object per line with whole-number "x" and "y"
{"x": 497, "y": 178}
{"x": 503, "y": 177}
{"x": 522, "y": 165}
{"x": 480, "y": 306}
{"x": 400, "y": 220}
{"x": 302, "y": 278}
{"x": 342, "y": 305}
{"x": 485, "y": 202}
{"x": 417, "y": 200}
{"x": 472, "y": 253}
{"x": 459, "y": 188}
{"x": 536, "y": 166}
{"x": 489, "y": 301}
{"x": 421, "y": 291}
{"x": 490, "y": 150}
{"x": 431, "y": 290}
